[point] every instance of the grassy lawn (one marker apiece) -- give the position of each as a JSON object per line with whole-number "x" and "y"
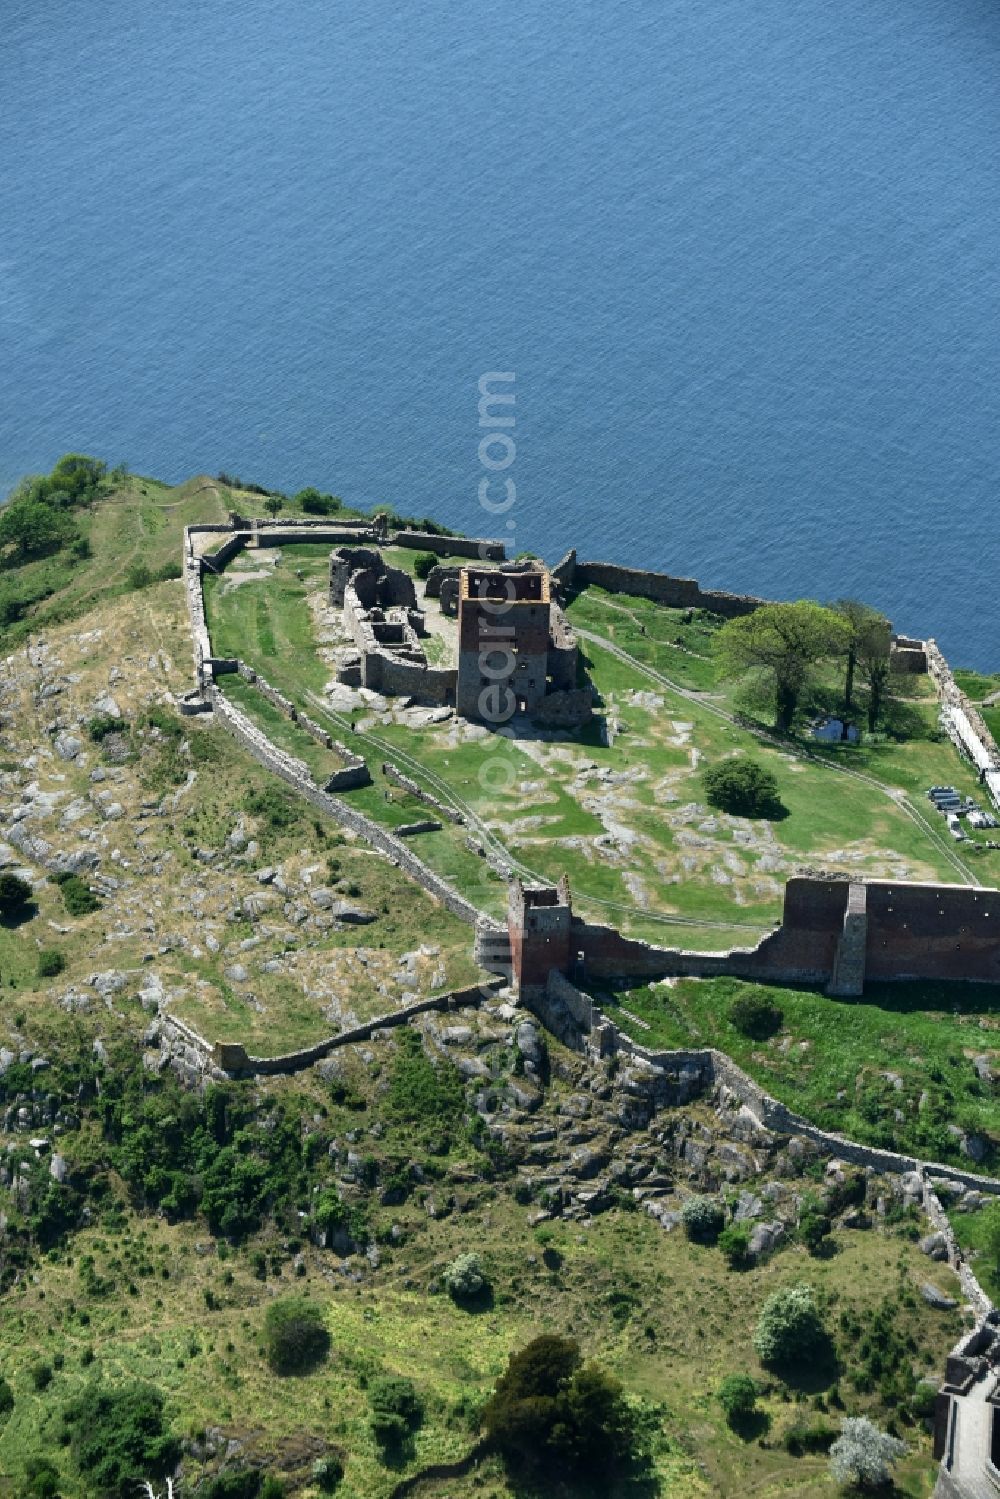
{"x": 620, "y": 804}
{"x": 668, "y": 1317}
{"x": 832, "y": 1058}
{"x": 279, "y": 727}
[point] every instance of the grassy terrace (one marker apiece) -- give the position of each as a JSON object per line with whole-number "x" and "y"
{"x": 669, "y": 1317}
{"x": 894, "y": 1069}
{"x": 621, "y": 804}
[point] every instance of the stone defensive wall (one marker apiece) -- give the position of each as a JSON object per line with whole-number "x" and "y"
{"x": 449, "y": 546}
{"x": 906, "y": 932}
{"x": 662, "y": 588}
{"x": 394, "y": 774}
{"x": 563, "y": 1009}
{"x": 964, "y": 723}
{"x": 295, "y": 774}
{"x": 354, "y": 770}
{"x": 232, "y": 1057}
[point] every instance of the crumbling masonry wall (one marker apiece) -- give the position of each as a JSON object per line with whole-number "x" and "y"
{"x": 832, "y": 933}
{"x": 663, "y": 588}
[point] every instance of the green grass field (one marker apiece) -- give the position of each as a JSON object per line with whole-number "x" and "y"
{"x": 894, "y": 1069}
{"x": 190, "y": 1322}
{"x": 556, "y": 812}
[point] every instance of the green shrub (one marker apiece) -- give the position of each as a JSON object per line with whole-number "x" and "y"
{"x": 421, "y": 1091}
{"x": 42, "y": 1479}
{"x": 295, "y": 1336}
{"x": 423, "y": 563}
{"x": 741, "y": 786}
{"x": 103, "y": 724}
{"x": 755, "y": 1015}
{"x": 738, "y": 1397}
{"x": 734, "y": 1241}
{"x": 396, "y": 1411}
{"x": 327, "y": 1472}
{"x": 276, "y": 807}
{"x": 703, "y": 1218}
{"x": 814, "y": 1230}
{"x": 119, "y": 1437}
{"x": 314, "y": 503}
{"x": 465, "y": 1278}
{"x": 50, "y": 963}
{"x": 6, "y": 1399}
{"x": 138, "y": 575}
{"x": 78, "y": 898}
{"x": 790, "y": 1329}
{"x": 15, "y": 893}
{"x": 41, "y": 1374}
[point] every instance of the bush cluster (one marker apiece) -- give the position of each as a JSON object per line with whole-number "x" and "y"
{"x": 741, "y": 786}
{"x": 296, "y": 1339}
{"x": 552, "y": 1413}
{"x": 755, "y": 1015}
{"x": 703, "y": 1218}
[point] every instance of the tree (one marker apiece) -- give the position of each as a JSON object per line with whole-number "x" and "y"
{"x": 703, "y": 1218}
{"x": 396, "y": 1411}
{"x": 863, "y": 1455}
{"x": 423, "y": 562}
{"x": 784, "y": 641}
{"x": 30, "y": 525}
{"x": 550, "y": 1411}
{"x": 857, "y": 617}
{"x": 465, "y": 1278}
{"x": 295, "y": 1336}
{"x": 15, "y": 893}
{"x": 754, "y": 1014}
{"x": 742, "y": 787}
{"x": 790, "y": 1329}
{"x": 872, "y": 651}
{"x": 120, "y": 1438}
{"x": 273, "y": 504}
{"x": 737, "y": 1394}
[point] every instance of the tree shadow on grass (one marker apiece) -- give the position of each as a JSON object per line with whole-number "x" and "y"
{"x": 813, "y": 1375}
{"x": 638, "y": 1482}
{"x": 483, "y": 1301}
{"x": 10, "y": 921}
{"x": 751, "y": 1427}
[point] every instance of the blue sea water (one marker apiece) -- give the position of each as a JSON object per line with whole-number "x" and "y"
{"x": 740, "y": 254}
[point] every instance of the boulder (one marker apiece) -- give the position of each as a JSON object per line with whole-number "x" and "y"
{"x": 935, "y": 1245}
{"x": 765, "y": 1238}
{"x": 936, "y": 1298}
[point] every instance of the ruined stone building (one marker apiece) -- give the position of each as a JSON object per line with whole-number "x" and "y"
{"x": 516, "y": 650}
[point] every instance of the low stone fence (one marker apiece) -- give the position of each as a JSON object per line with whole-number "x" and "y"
{"x": 719, "y": 1069}
{"x": 295, "y": 774}
{"x": 354, "y": 770}
{"x": 450, "y": 546}
{"x": 232, "y": 1057}
{"x": 394, "y": 774}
